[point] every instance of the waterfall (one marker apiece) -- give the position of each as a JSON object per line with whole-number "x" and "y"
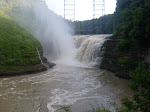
{"x": 40, "y": 58}
{"x": 89, "y": 49}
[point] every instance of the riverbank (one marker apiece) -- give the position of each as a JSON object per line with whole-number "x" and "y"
{"x": 119, "y": 63}
{"x": 27, "y": 70}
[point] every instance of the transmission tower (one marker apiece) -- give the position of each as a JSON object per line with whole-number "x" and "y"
{"x": 98, "y": 8}
{"x": 69, "y": 9}
{"x": 98, "y": 11}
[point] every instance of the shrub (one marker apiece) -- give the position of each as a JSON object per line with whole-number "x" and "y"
{"x": 124, "y": 46}
{"x": 10, "y": 61}
{"x": 128, "y": 63}
{"x": 141, "y": 88}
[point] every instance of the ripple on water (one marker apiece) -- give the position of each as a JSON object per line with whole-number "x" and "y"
{"x": 61, "y": 86}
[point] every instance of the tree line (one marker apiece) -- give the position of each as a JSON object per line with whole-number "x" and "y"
{"x": 102, "y": 25}
{"x": 131, "y": 21}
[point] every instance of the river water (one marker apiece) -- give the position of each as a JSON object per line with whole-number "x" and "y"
{"x": 64, "y": 85}
{"x": 77, "y": 87}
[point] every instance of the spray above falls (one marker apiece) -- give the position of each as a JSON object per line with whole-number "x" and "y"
{"x": 53, "y": 32}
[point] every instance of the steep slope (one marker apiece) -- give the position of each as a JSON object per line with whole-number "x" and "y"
{"x": 18, "y": 49}
{"x": 46, "y": 26}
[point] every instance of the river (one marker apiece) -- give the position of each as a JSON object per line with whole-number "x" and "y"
{"x": 60, "y": 86}
{"x": 63, "y": 85}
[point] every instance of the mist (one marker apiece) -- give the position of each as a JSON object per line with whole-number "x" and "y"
{"x": 53, "y": 32}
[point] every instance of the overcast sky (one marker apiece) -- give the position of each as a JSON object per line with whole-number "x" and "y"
{"x": 83, "y": 8}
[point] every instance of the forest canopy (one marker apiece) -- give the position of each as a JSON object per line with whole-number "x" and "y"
{"x": 132, "y": 19}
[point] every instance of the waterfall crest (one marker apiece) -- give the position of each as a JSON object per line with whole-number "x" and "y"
{"x": 86, "y": 51}
{"x": 89, "y": 49}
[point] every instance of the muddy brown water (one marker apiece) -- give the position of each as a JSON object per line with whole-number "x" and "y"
{"x": 77, "y": 87}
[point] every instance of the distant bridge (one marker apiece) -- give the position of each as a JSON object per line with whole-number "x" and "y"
{"x": 69, "y": 9}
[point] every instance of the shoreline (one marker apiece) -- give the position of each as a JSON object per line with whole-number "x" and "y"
{"x": 26, "y": 71}
{"x": 110, "y": 58}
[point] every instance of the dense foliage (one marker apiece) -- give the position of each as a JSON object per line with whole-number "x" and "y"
{"x": 102, "y": 25}
{"x": 8, "y": 5}
{"x": 17, "y": 47}
{"x": 141, "y": 88}
{"x": 133, "y": 21}
{"x": 132, "y": 18}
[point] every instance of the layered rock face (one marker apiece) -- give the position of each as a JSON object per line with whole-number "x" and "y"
{"x": 111, "y": 57}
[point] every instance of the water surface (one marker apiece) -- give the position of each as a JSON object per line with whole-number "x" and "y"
{"x": 78, "y": 87}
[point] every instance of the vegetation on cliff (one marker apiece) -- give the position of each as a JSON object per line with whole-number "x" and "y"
{"x": 42, "y": 23}
{"x": 133, "y": 21}
{"x": 132, "y": 18}
{"x": 132, "y": 26}
{"x": 8, "y": 5}
{"x": 18, "y": 48}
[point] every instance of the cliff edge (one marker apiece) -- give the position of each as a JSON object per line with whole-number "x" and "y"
{"x": 119, "y": 63}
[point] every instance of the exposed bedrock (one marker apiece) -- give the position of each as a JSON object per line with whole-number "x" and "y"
{"x": 110, "y": 58}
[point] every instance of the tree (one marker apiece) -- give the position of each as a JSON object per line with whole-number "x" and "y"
{"x": 140, "y": 86}
{"x": 133, "y": 20}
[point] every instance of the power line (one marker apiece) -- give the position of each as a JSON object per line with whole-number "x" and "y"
{"x": 69, "y": 9}
{"x": 98, "y": 8}
{"x": 98, "y": 11}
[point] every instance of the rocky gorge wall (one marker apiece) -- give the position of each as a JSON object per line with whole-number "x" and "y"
{"x": 111, "y": 58}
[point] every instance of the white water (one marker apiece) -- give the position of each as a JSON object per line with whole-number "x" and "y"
{"x": 39, "y": 56}
{"x": 85, "y": 52}
{"x": 89, "y": 49}
{"x": 41, "y": 59}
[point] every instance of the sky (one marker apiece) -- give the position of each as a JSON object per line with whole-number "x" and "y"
{"x": 83, "y": 8}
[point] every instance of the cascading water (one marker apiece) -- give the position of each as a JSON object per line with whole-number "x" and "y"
{"x": 55, "y": 35}
{"x": 85, "y": 52}
{"x": 41, "y": 59}
{"x": 89, "y": 49}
